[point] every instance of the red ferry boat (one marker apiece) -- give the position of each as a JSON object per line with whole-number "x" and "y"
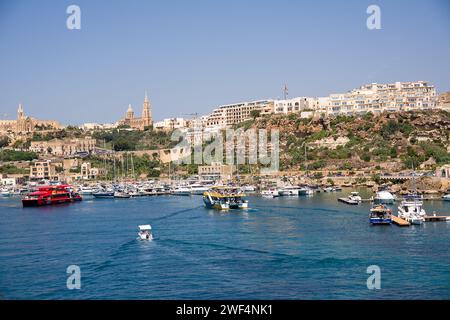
{"x": 48, "y": 195}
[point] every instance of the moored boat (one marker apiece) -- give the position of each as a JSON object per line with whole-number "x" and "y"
{"x": 289, "y": 191}
{"x": 181, "y": 191}
{"x": 384, "y": 196}
{"x": 121, "y": 195}
{"x": 106, "y": 194}
{"x": 380, "y": 215}
{"x": 411, "y": 210}
{"x": 270, "y": 193}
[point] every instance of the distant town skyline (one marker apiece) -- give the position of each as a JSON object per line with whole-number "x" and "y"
{"x": 193, "y": 57}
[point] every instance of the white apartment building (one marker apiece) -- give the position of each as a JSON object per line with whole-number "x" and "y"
{"x": 170, "y": 124}
{"x": 377, "y": 98}
{"x": 231, "y": 114}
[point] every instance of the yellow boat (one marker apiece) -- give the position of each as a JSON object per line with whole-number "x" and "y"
{"x": 224, "y": 198}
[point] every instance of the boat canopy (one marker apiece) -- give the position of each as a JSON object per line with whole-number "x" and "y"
{"x": 145, "y": 227}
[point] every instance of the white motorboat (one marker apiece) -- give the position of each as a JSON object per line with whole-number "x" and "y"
{"x": 248, "y": 188}
{"x": 411, "y": 210}
{"x": 145, "y": 232}
{"x": 270, "y": 193}
{"x": 354, "y": 196}
{"x": 181, "y": 191}
{"x": 384, "y": 197}
{"x": 198, "y": 189}
{"x": 5, "y": 192}
{"x": 305, "y": 191}
{"x": 121, "y": 195}
{"x": 446, "y": 197}
{"x": 289, "y": 191}
{"x": 86, "y": 191}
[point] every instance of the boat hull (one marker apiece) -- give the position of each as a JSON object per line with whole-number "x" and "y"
{"x": 380, "y": 221}
{"x": 106, "y": 195}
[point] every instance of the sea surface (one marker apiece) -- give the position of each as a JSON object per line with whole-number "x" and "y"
{"x": 283, "y": 248}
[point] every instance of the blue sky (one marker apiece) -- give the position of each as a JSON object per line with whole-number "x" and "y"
{"x": 194, "y": 55}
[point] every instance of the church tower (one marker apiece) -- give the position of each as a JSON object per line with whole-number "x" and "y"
{"x": 130, "y": 113}
{"x": 20, "y": 113}
{"x": 146, "y": 112}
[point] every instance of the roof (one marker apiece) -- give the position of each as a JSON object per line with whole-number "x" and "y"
{"x": 145, "y": 227}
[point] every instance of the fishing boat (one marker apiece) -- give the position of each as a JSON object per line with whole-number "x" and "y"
{"x": 411, "y": 210}
{"x": 380, "y": 214}
{"x": 49, "y": 195}
{"x": 224, "y": 198}
{"x": 145, "y": 232}
{"x": 270, "y": 193}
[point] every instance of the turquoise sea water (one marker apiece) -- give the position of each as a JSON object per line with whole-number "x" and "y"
{"x": 284, "y": 248}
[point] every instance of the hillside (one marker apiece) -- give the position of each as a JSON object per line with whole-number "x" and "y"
{"x": 392, "y": 141}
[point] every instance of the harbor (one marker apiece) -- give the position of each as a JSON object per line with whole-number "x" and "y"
{"x": 306, "y": 246}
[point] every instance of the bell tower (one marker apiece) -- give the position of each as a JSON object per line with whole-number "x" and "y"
{"x": 146, "y": 112}
{"x": 20, "y": 113}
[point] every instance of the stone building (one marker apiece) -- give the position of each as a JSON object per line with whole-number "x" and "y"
{"x": 64, "y": 147}
{"x": 88, "y": 172}
{"x": 43, "y": 169}
{"x": 25, "y": 124}
{"x": 138, "y": 123}
{"x": 216, "y": 171}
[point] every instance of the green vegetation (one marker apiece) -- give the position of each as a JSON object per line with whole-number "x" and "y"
{"x": 12, "y": 155}
{"x": 10, "y": 169}
{"x": 129, "y": 140}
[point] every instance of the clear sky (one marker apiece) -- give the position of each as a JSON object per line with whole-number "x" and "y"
{"x": 192, "y": 56}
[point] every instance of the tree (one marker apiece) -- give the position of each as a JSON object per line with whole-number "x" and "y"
{"x": 4, "y": 141}
{"x": 255, "y": 114}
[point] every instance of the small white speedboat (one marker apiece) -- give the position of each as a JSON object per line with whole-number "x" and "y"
{"x": 446, "y": 197}
{"x": 145, "y": 232}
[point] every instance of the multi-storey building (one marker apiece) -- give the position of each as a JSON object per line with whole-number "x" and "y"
{"x": 64, "y": 147}
{"x": 377, "y": 98}
{"x": 231, "y": 114}
{"x": 170, "y": 124}
{"x": 43, "y": 169}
